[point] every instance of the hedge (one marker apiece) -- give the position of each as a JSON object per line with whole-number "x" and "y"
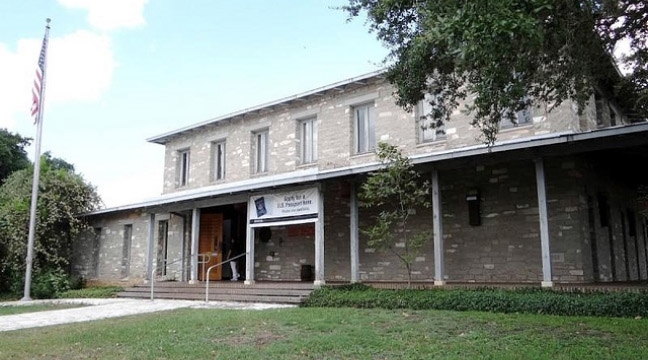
{"x": 526, "y": 300}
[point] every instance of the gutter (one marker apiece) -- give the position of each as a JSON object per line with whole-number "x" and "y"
{"x": 314, "y": 174}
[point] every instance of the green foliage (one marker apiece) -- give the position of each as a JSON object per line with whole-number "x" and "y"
{"x": 523, "y": 300}
{"x": 63, "y": 196}
{"x": 503, "y": 51}
{"x": 13, "y": 156}
{"x": 48, "y": 284}
{"x": 92, "y": 292}
{"x": 395, "y": 190}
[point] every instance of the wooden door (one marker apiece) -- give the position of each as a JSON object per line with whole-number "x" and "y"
{"x": 211, "y": 242}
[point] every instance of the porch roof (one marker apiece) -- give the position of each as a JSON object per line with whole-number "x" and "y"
{"x": 626, "y": 135}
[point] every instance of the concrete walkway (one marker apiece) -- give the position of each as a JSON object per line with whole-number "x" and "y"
{"x": 97, "y": 309}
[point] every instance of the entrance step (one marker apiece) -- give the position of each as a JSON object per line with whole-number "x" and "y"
{"x": 266, "y": 292}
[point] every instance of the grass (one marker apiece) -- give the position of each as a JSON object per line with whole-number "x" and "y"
{"x": 21, "y": 309}
{"x": 341, "y": 333}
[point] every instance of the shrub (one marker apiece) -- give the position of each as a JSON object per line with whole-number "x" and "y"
{"x": 50, "y": 283}
{"x": 528, "y": 300}
{"x": 92, "y": 292}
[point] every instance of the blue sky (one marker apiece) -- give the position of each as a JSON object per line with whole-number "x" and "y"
{"x": 120, "y": 71}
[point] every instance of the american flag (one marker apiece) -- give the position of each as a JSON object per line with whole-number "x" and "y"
{"x": 38, "y": 81}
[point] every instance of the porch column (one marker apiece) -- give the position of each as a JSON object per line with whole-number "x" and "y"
{"x": 437, "y": 225}
{"x": 353, "y": 229}
{"x": 249, "y": 249}
{"x": 319, "y": 241}
{"x": 195, "y": 234}
{"x": 544, "y": 223}
{"x": 150, "y": 248}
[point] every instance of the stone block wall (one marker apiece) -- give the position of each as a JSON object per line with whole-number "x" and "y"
{"x": 337, "y": 247}
{"x": 504, "y": 248}
{"x": 282, "y": 257}
{"x": 111, "y": 246}
{"x": 334, "y": 112}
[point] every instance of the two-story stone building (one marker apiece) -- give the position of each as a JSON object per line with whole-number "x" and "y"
{"x": 554, "y": 200}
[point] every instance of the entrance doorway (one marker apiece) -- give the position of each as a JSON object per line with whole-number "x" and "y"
{"x": 210, "y": 245}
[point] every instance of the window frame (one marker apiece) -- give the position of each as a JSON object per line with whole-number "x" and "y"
{"x": 261, "y": 149}
{"x": 525, "y": 114}
{"x": 421, "y": 114}
{"x": 308, "y": 140}
{"x": 184, "y": 167}
{"x": 367, "y": 143}
{"x": 218, "y": 160}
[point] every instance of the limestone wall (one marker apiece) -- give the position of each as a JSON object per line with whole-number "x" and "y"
{"x": 335, "y": 136}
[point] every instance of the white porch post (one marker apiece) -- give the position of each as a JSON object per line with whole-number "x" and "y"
{"x": 249, "y": 249}
{"x": 353, "y": 229}
{"x": 319, "y": 241}
{"x": 544, "y": 223}
{"x": 150, "y": 248}
{"x": 437, "y": 224}
{"x": 195, "y": 234}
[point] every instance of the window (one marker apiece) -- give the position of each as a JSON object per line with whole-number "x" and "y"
{"x": 183, "y": 167}
{"x": 261, "y": 151}
{"x": 218, "y": 160}
{"x": 424, "y": 122}
{"x": 126, "y": 250}
{"x": 613, "y": 116}
{"x": 365, "y": 128}
{"x": 96, "y": 246}
{"x": 522, "y": 117}
{"x": 308, "y": 140}
{"x": 599, "y": 103}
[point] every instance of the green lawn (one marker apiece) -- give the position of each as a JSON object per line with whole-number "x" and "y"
{"x": 21, "y": 309}
{"x": 334, "y": 333}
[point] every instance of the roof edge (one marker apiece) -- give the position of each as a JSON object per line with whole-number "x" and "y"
{"x": 164, "y": 137}
{"x": 317, "y": 175}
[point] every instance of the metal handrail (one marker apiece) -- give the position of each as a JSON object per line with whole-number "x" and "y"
{"x": 217, "y": 265}
{"x": 154, "y": 267}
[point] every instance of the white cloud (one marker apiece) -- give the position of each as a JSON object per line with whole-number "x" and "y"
{"x": 134, "y": 187}
{"x": 79, "y": 68}
{"x": 110, "y": 14}
{"x": 16, "y": 81}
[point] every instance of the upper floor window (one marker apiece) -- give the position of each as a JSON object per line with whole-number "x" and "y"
{"x": 522, "y": 117}
{"x": 426, "y": 126}
{"x": 599, "y": 103}
{"x": 260, "y": 151}
{"x": 364, "y": 119}
{"x": 183, "y": 167}
{"x": 613, "y": 116}
{"x": 308, "y": 140}
{"x": 218, "y": 160}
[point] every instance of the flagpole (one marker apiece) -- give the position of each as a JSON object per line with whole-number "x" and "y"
{"x": 34, "y": 197}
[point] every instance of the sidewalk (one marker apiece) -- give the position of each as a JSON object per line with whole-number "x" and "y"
{"x": 97, "y": 309}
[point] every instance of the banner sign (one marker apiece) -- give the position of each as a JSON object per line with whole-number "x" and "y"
{"x": 297, "y": 206}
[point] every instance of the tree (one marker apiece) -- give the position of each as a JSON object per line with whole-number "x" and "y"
{"x": 506, "y": 52}
{"x": 12, "y": 153}
{"x": 63, "y": 197}
{"x": 396, "y": 190}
